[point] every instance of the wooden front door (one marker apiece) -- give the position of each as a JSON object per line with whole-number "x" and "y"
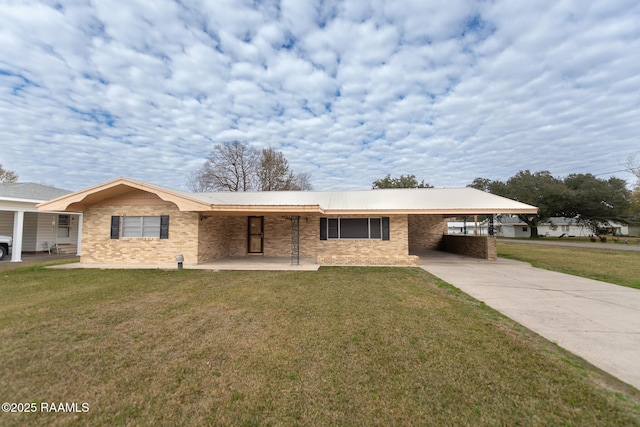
{"x": 256, "y": 234}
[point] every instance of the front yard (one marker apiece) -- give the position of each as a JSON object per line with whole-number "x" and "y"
{"x": 608, "y": 265}
{"x": 341, "y": 346}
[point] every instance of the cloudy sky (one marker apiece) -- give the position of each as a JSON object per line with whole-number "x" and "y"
{"x": 349, "y": 91}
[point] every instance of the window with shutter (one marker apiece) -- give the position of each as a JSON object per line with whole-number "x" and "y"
{"x": 115, "y": 227}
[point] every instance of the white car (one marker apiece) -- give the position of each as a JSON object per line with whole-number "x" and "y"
{"x": 5, "y": 246}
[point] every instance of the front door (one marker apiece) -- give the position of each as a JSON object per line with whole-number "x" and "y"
{"x": 256, "y": 234}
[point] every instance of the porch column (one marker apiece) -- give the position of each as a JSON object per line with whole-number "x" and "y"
{"x": 18, "y": 226}
{"x": 79, "y": 241}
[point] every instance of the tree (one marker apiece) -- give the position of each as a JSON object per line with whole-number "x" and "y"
{"x": 273, "y": 171}
{"x": 236, "y": 166}
{"x": 539, "y": 189}
{"x": 408, "y": 181}
{"x": 7, "y": 175}
{"x": 591, "y": 200}
{"x": 231, "y": 166}
{"x": 634, "y": 203}
{"x": 633, "y": 165}
{"x": 303, "y": 181}
{"x": 596, "y": 201}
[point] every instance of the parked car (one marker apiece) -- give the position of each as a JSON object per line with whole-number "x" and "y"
{"x": 5, "y": 246}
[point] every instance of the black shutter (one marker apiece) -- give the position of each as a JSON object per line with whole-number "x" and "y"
{"x": 115, "y": 227}
{"x": 385, "y": 228}
{"x": 323, "y": 228}
{"x": 164, "y": 226}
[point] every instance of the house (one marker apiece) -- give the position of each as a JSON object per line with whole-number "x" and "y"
{"x": 128, "y": 221}
{"x": 35, "y": 231}
{"x": 468, "y": 227}
{"x": 555, "y": 227}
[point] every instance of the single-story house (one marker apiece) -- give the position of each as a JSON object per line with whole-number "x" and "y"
{"x": 128, "y": 221}
{"x": 32, "y": 230}
{"x": 556, "y": 227}
{"x": 480, "y": 228}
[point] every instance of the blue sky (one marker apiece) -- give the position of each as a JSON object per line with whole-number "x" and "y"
{"x": 348, "y": 90}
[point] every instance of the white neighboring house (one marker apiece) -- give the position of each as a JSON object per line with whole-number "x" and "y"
{"x": 34, "y": 231}
{"x": 469, "y": 228}
{"x": 555, "y": 227}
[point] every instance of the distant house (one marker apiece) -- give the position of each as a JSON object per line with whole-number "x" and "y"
{"x": 127, "y": 221}
{"x": 468, "y": 228}
{"x": 35, "y": 231}
{"x": 556, "y": 227}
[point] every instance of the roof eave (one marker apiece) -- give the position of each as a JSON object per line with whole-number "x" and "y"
{"x": 63, "y": 203}
{"x": 264, "y": 209}
{"x": 450, "y": 212}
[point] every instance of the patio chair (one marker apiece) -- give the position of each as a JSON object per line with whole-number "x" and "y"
{"x": 49, "y": 246}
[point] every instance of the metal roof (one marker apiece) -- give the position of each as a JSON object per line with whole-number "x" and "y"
{"x": 29, "y": 191}
{"x": 446, "y": 201}
{"x": 397, "y": 199}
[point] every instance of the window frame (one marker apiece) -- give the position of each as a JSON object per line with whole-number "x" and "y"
{"x": 141, "y": 227}
{"x": 336, "y": 228}
{"x": 64, "y": 225}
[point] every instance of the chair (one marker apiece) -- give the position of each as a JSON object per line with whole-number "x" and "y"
{"x": 51, "y": 246}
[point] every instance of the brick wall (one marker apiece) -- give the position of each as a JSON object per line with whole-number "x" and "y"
{"x": 394, "y": 251}
{"x": 98, "y": 247}
{"x": 213, "y": 238}
{"x": 474, "y": 246}
{"x": 227, "y": 236}
{"x": 425, "y": 232}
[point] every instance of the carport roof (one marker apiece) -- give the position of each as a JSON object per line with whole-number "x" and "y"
{"x": 445, "y": 201}
{"x": 29, "y": 192}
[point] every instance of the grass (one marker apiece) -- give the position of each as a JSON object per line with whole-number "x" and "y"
{"x": 341, "y": 346}
{"x": 609, "y": 265}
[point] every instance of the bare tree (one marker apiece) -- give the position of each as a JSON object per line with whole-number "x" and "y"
{"x": 7, "y": 175}
{"x": 231, "y": 166}
{"x": 273, "y": 171}
{"x": 303, "y": 181}
{"x": 236, "y": 166}
{"x": 633, "y": 165}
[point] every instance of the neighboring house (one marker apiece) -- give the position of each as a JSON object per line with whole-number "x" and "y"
{"x": 556, "y": 227}
{"x": 469, "y": 227}
{"x": 127, "y": 221}
{"x": 35, "y": 231}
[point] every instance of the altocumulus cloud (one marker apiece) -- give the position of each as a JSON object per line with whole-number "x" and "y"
{"x": 348, "y": 90}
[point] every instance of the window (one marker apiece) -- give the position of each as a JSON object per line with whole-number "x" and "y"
{"x": 354, "y": 228}
{"x": 141, "y": 226}
{"x": 525, "y": 229}
{"x": 64, "y": 224}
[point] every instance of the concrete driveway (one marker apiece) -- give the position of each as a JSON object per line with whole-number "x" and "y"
{"x": 595, "y": 320}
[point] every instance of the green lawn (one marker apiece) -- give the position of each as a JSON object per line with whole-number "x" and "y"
{"x": 341, "y": 346}
{"x": 609, "y": 265}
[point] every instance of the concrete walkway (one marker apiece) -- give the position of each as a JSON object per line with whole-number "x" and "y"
{"x": 233, "y": 263}
{"x": 595, "y": 320}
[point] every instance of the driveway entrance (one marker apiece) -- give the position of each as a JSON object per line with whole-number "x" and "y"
{"x": 597, "y": 321}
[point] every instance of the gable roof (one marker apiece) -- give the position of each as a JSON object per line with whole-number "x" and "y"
{"x": 452, "y": 201}
{"x": 29, "y": 192}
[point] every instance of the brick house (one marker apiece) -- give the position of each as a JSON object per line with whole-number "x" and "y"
{"x": 128, "y": 221}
